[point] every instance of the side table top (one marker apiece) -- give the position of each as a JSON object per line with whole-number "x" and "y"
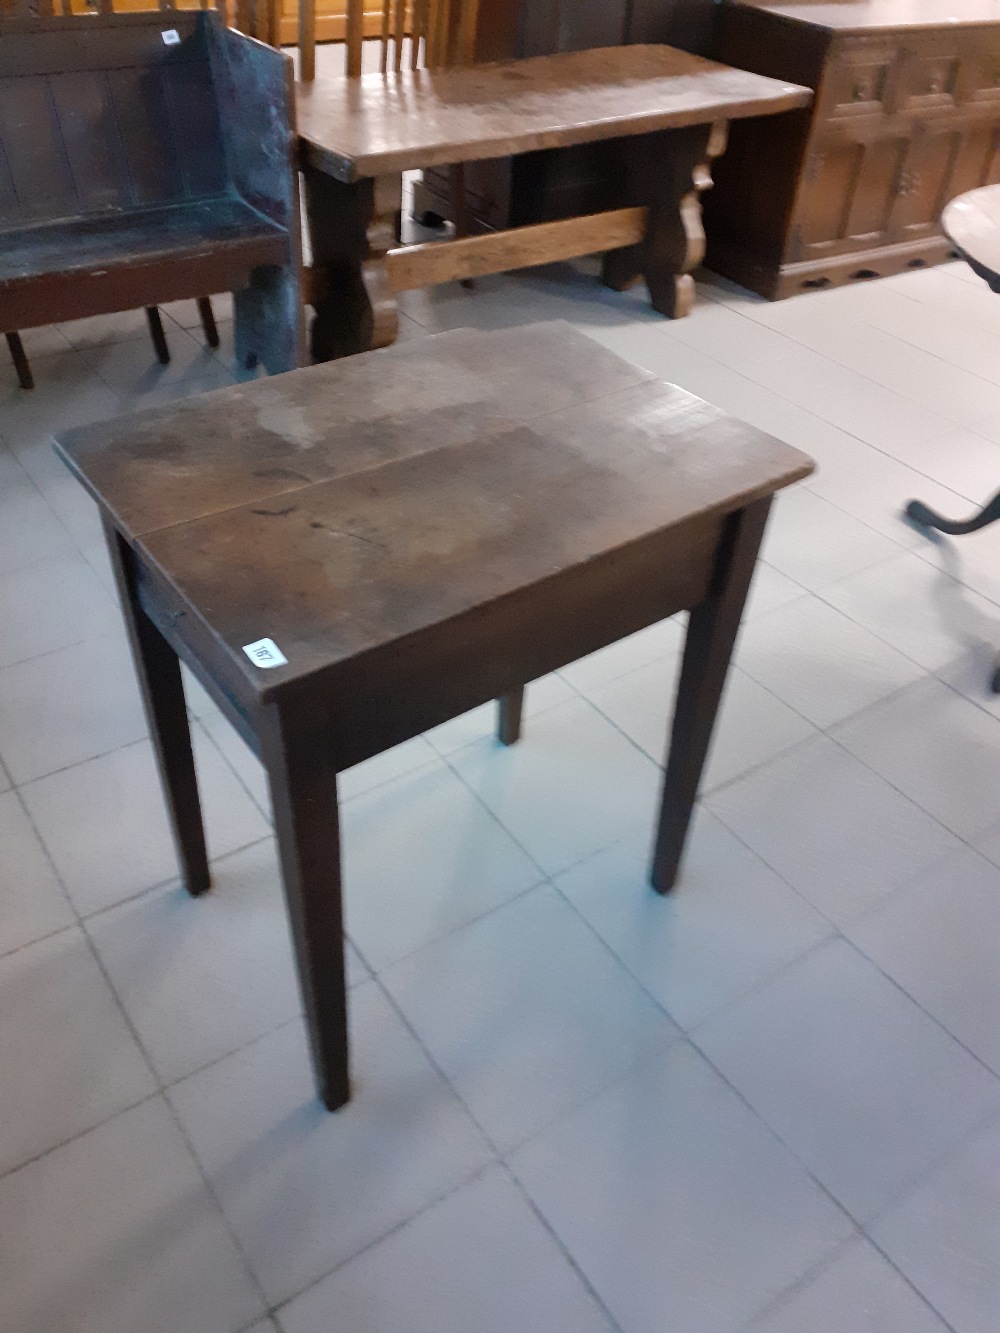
{"x": 972, "y": 223}
{"x": 337, "y": 509}
{"x": 361, "y": 127}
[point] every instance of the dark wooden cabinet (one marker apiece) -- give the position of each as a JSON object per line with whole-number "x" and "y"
{"x": 540, "y": 187}
{"x": 906, "y": 116}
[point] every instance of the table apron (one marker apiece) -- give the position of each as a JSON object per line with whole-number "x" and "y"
{"x": 385, "y": 697}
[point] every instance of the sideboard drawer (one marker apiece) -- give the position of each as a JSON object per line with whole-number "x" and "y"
{"x": 929, "y": 75}
{"x": 982, "y": 69}
{"x": 860, "y": 79}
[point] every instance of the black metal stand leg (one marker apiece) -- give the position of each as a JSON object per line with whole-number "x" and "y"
{"x": 712, "y": 630}
{"x": 917, "y": 512}
{"x": 162, "y": 689}
{"x": 920, "y": 514}
{"x": 158, "y": 336}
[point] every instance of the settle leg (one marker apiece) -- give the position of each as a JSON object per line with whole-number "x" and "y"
{"x": 711, "y": 634}
{"x": 158, "y": 336}
{"x": 208, "y": 320}
{"x": 510, "y": 707}
{"x": 20, "y": 359}
{"x": 268, "y": 327}
{"x": 667, "y": 172}
{"x": 351, "y": 229}
{"x": 304, "y": 794}
{"x": 162, "y": 688}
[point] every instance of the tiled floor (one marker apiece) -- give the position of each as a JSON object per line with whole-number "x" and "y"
{"x": 769, "y": 1104}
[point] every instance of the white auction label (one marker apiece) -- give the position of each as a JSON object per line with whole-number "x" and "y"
{"x": 265, "y": 653}
{"x": 171, "y": 37}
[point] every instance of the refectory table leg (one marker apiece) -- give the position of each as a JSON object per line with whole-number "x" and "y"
{"x": 667, "y": 172}
{"x": 352, "y": 227}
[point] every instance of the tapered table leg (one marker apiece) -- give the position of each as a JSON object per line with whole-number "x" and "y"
{"x": 304, "y": 796}
{"x": 712, "y": 630}
{"x": 162, "y": 689}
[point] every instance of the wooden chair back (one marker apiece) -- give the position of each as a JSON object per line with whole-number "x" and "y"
{"x": 440, "y": 33}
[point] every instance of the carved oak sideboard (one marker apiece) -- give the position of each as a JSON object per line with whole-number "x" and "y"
{"x": 906, "y": 116}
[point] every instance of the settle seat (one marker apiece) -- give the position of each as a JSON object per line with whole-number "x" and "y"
{"x": 147, "y": 158}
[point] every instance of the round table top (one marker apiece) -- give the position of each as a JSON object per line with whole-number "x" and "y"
{"x": 972, "y": 224}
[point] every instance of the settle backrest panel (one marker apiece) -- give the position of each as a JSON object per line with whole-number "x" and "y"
{"x": 106, "y": 114}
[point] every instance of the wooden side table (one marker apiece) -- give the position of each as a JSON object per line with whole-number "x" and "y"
{"x": 350, "y": 554}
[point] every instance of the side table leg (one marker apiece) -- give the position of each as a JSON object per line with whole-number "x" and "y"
{"x": 304, "y": 795}
{"x": 351, "y": 229}
{"x": 712, "y": 631}
{"x": 162, "y": 689}
{"x": 509, "y": 709}
{"x": 668, "y": 172}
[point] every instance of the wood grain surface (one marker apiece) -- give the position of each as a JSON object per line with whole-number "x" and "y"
{"x": 355, "y": 128}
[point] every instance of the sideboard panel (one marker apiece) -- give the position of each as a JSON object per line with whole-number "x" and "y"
{"x": 905, "y": 118}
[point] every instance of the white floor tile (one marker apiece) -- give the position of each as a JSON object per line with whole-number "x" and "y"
{"x": 199, "y": 977}
{"x": 199, "y": 702}
{"x": 527, "y": 1014}
{"x": 305, "y": 1190}
{"x": 480, "y": 1260}
{"x": 937, "y": 748}
{"x": 864, "y": 1087}
{"x": 105, "y": 824}
{"x": 131, "y": 370}
{"x": 894, "y": 388}
{"x": 571, "y": 786}
{"x": 32, "y": 903}
{"x": 972, "y": 675}
{"x": 836, "y": 831}
{"x": 68, "y": 706}
{"x": 680, "y": 1207}
{"x": 769, "y": 590}
{"x": 857, "y": 1292}
{"x": 753, "y": 724}
{"x": 68, "y": 1058}
{"x": 971, "y": 559}
{"x": 122, "y": 326}
{"x": 48, "y": 340}
{"x": 481, "y": 723}
{"x": 29, "y": 530}
{"x": 420, "y": 857}
{"x": 819, "y": 662}
{"x": 52, "y": 604}
{"x": 918, "y": 609}
{"x": 729, "y": 922}
{"x": 116, "y": 1232}
{"x": 937, "y": 938}
{"x": 945, "y": 1235}
{"x": 67, "y": 393}
{"x": 185, "y": 313}
{"x": 815, "y": 543}
{"x": 873, "y": 486}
